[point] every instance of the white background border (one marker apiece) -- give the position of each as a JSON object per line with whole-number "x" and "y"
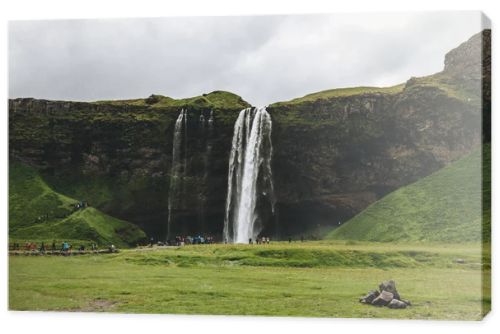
{"x": 54, "y": 323}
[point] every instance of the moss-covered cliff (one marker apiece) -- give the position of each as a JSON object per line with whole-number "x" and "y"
{"x": 117, "y": 155}
{"x": 335, "y": 152}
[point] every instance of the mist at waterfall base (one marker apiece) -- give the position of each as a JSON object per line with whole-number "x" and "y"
{"x": 249, "y": 176}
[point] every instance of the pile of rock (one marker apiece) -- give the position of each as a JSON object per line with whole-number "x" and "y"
{"x": 387, "y": 295}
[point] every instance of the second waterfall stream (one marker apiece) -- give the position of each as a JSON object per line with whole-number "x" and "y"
{"x": 250, "y": 176}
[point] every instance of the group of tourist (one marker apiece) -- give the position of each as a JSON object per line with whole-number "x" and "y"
{"x": 202, "y": 240}
{"x": 65, "y": 248}
{"x": 260, "y": 240}
{"x": 199, "y": 240}
{"x": 188, "y": 240}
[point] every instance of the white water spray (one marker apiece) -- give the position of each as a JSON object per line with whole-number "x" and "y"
{"x": 249, "y": 177}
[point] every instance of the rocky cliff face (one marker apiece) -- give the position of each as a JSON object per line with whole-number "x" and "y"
{"x": 359, "y": 148}
{"x": 335, "y": 152}
{"x": 117, "y": 155}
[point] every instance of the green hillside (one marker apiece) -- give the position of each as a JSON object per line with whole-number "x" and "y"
{"x": 443, "y": 207}
{"x": 344, "y": 92}
{"x": 38, "y": 213}
{"x": 215, "y": 99}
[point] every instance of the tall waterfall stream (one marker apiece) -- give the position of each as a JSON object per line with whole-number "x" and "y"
{"x": 249, "y": 175}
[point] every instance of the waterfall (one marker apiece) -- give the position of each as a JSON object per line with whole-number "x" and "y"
{"x": 249, "y": 176}
{"x": 207, "y": 137}
{"x": 208, "y": 149}
{"x": 177, "y": 168}
{"x": 185, "y": 119}
{"x": 211, "y": 120}
{"x": 208, "y": 143}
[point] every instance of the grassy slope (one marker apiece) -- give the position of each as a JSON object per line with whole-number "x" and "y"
{"x": 445, "y": 207}
{"x": 321, "y": 279}
{"x": 343, "y": 92}
{"x": 30, "y": 198}
{"x": 225, "y": 104}
{"x": 440, "y": 81}
{"x": 216, "y": 99}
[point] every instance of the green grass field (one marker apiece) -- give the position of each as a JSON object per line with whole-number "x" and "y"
{"x": 317, "y": 279}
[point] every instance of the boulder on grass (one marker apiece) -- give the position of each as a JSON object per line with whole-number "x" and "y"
{"x": 389, "y": 286}
{"x": 383, "y": 299}
{"x": 395, "y": 303}
{"x": 369, "y": 297}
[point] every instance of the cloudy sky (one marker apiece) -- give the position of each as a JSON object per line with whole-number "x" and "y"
{"x": 262, "y": 58}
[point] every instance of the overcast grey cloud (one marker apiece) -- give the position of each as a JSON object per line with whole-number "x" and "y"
{"x": 262, "y": 58}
